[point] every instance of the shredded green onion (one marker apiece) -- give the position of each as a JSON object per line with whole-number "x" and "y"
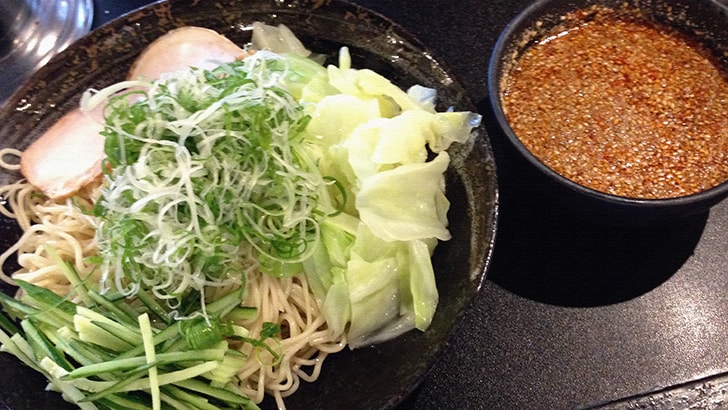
{"x": 205, "y": 171}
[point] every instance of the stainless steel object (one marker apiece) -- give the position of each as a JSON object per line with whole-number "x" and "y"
{"x": 33, "y": 31}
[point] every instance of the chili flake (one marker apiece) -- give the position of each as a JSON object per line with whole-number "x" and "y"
{"x": 622, "y": 105}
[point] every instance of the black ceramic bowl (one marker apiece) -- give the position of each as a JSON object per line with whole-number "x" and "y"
{"x": 367, "y": 378}
{"x": 704, "y": 20}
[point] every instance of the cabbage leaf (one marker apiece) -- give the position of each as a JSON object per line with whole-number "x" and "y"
{"x": 386, "y": 147}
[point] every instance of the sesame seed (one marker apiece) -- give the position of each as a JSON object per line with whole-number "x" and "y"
{"x": 622, "y": 105}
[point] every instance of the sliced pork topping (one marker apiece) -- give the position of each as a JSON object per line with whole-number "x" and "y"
{"x": 68, "y": 156}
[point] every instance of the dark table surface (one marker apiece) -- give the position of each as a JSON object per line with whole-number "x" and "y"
{"x": 573, "y": 314}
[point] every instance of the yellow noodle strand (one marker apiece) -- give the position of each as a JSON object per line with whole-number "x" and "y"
{"x": 306, "y": 341}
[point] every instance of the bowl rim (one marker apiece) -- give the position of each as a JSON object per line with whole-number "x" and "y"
{"x": 62, "y": 23}
{"x": 496, "y": 64}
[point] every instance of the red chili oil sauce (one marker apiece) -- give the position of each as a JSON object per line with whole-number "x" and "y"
{"x": 622, "y": 105}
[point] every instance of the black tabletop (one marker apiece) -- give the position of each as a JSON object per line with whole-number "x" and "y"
{"x": 573, "y": 314}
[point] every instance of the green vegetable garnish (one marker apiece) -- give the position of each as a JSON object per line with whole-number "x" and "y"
{"x": 207, "y": 171}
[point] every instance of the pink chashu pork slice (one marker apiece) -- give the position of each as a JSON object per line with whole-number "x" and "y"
{"x": 69, "y": 155}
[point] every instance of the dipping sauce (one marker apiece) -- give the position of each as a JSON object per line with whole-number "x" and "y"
{"x": 622, "y": 105}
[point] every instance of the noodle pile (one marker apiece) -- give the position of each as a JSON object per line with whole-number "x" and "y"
{"x": 70, "y": 231}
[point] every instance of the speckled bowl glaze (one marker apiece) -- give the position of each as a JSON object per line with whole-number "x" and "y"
{"x": 706, "y": 20}
{"x": 371, "y": 378}
{"x": 31, "y": 32}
